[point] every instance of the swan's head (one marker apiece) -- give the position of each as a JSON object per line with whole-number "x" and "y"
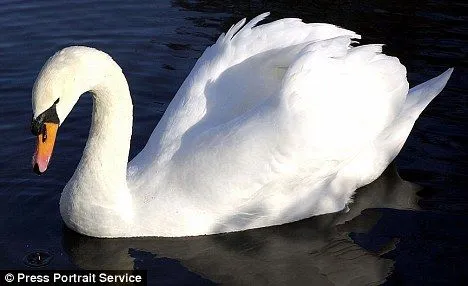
{"x": 64, "y": 77}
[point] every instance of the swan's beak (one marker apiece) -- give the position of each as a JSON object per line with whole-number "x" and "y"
{"x": 44, "y": 147}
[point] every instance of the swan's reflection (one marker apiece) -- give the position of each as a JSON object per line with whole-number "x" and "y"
{"x": 315, "y": 251}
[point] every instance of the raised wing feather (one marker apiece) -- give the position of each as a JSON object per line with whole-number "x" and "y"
{"x": 241, "y": 69}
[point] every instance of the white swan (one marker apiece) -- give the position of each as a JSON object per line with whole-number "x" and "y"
{"x": 274, "y": 124}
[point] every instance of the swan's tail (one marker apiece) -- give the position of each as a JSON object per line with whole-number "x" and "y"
{"x": 395, "y": 135}
{"x": 421, "y": 95}
{"x": 390, "y": 141}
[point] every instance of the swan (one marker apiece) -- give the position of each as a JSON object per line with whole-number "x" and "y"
{"x": 275, "y": 123}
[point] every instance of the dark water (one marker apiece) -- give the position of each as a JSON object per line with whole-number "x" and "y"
{"x": 395, "y": 231}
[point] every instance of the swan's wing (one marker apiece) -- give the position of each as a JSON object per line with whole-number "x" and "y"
{"x": 239, "y": 71}
{"x": 333, "y": 102}
{"x": 343, "y": 96}
{"x": 298, "y": 151}
{"x": 236, "y": 70}
{"x": 314, "y": 103}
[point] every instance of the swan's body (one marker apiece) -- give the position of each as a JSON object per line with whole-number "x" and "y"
{"x": 274, "y": 124}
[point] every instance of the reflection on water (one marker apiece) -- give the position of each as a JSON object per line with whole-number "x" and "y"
{"x": 316, "y": 251}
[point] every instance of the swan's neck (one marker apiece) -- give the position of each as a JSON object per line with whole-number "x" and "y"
{"x": 107, "y": 148}
{"x": 97, "y": 200}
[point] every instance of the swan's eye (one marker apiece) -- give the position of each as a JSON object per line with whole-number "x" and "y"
{"x": 48, "y": 116}
{"x": 44, "y": 134}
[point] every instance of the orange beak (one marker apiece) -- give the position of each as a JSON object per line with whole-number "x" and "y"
{"x": 44, "y": 147}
